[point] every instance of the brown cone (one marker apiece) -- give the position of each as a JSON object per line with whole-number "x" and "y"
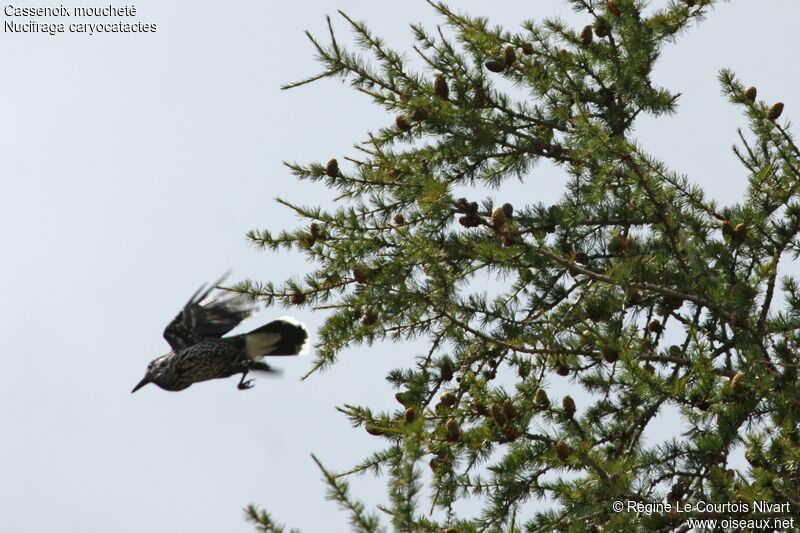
{"x": 495, "y": 65}
{"x": 737, "y": 383}
{"x": 509, "y": 410}
{"x": 498, "y": 218}
{"x": 775, "y": 111}
{"x": 541, "y": 398}
{"x": 449, "y": 399}
{"x": 402, "y": 123}
{"x": 440, "y": 87}
{"x": 498, "y": 415}
{"x": 332, "y": 168}
{"x": 360, "y": 275}
{"x": 298, "y": 298}
{"x": 453, "y": 433}
{"x": 509, "y": 55}
{"x": 568, "y": 404}
{"x": 563, "y": 451}
{"x": 586, "y": 36}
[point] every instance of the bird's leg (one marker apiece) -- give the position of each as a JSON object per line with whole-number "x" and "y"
{"x": 244, "y": 385}
{"x": 263, "y": 367}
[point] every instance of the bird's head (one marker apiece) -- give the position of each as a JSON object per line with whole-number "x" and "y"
{"x": 158, "y": 371}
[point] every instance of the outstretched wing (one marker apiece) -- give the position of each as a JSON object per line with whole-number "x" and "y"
{"x": 199, "y": 319}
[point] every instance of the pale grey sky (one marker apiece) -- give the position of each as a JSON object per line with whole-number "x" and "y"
{"x": 133, "y": 166}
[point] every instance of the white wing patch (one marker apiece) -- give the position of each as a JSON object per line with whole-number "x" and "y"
{"x": 257, "y": 345}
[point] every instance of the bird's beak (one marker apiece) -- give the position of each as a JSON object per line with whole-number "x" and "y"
{"x": 141, "y": 384}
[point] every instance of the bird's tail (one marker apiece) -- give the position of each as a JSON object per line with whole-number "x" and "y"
{"x": 284, "y": 336}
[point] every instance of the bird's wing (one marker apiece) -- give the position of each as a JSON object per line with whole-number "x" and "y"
{"x": 199, "y": 319}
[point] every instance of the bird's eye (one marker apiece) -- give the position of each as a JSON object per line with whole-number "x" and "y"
{"x": 150, "y": 366}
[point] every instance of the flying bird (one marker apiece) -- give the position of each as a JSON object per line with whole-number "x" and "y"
{"x": 200, "y": 352}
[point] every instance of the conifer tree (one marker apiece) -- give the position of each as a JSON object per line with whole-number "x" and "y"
{"x": 635, "y": 286}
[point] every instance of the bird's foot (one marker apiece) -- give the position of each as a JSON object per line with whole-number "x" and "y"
{"x": 244, "y": 385}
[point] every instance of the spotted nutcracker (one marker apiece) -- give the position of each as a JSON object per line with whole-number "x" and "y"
{"x": 200, "y": 352}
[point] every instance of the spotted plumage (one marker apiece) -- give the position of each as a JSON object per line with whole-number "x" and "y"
{"x": 200, "y": 352}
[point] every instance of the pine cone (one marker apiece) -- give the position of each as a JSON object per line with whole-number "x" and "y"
{"x": 461, "y": 205}
{"x": 498, "y": 218}
{"x": 541, "y": 398}
{"x": 370, "y": 318}
{"x": 495, "y": 65}
{"x": 481, "y": 409}
{"x": 568, "y": 404}
{"x": 750, "y": 94}
{"x": 739, "y": 233}
{"x": 440, "y": 87}
{"x": 610, "y": 354}
{"x": 654, "y": 326}
{"x": 498, "y": 415}
{"x": 399, "y": 219}
{"x": 633, "y": 297}
{"x": 402, "y": 123}
{"x": 563, "y": 451}
{"x": 620, "y": 245}
{"x": 405, "y": 398}
{"x": 446, "y": 370}
{"x": 360, "y": 275}
{"x": 509, "y": 410}
{"x": 738, "y": 382}
{"x": 298, "y": 298}
{"x": 562, "y": 369}
{"x": 775, "y": 111}
{"x": 332, "y": 168}
{"x": 306, "y": 240}
{"x": 453, "y": 433}
{"x": 527, "y": 48}
{"x": 613, "y": 8}
{"x": 727, "y": 228}
{"x": 509, "y": 55}
{"x": 470, "y": 221}
{"x": 511, "y": 433}
{"x": 601, "y": 28}
{"x": 420, "y": 114}
{"x": 411, "y": 415}
{"x": 586, "y": 36}
{"x": 449, "y": 399}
